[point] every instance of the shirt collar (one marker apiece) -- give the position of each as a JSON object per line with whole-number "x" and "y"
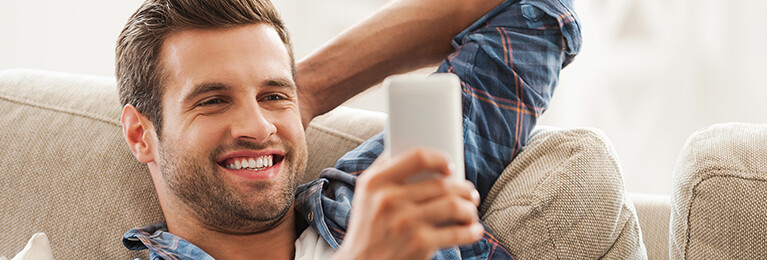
{"x": 162, "y": 243}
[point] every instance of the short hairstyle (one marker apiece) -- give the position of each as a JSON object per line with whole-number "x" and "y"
{"x": 139, "y": 73}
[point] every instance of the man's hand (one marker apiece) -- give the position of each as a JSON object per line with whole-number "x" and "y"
{"x": 392, "y": 219}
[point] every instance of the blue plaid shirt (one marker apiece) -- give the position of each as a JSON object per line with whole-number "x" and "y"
{"x": 508, "y": 62}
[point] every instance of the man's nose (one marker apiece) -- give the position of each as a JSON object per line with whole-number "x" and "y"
{"x": 253, "y": 124}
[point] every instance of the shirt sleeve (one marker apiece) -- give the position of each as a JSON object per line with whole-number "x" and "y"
{"x": 509, "y": 63}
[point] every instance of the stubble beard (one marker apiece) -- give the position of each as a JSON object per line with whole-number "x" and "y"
{"x": 199, "y": 184}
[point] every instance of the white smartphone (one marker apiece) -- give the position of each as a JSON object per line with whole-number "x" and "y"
{"x": 425, "y": 111}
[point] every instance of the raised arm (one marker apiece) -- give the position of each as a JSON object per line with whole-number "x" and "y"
{"x": 401, "y": 36}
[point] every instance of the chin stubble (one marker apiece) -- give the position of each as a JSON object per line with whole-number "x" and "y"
{"x": 200, "y": 186}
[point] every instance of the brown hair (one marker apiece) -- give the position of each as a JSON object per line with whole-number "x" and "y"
{"x": 139, "y": 74}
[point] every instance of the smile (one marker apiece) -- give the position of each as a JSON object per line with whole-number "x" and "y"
{"x": 252, "y": 163}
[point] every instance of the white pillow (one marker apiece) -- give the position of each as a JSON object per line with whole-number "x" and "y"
{"x": 38, "y": 248}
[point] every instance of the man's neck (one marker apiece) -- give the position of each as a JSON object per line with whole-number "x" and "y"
{"x": 276, "y": 243}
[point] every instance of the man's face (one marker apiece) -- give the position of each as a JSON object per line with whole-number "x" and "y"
{"x": 232, "y": 144}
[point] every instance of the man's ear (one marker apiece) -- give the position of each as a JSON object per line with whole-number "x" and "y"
{"x": 139, "y": 134}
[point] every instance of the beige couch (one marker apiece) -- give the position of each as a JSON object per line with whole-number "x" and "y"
{"x": 67, "y": 172}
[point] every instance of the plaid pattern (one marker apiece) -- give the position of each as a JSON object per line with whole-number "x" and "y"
{"x": 162, "y": 245}
{"x": 508, "y": 63}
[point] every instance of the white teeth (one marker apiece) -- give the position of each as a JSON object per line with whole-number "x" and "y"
{"x": 252, "y": 163}
{"x": 259, "y": 162}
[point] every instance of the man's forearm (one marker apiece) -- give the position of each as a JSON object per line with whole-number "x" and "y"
{"x": 402, "y": 36}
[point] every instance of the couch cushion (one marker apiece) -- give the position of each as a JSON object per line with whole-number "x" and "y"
{"x": 563, "y": 198}
{"x": 66, "y": 169}
{"x": 653, "y": 212}
{"x": 719, "y": 210}
{"x": 68, "y": 172}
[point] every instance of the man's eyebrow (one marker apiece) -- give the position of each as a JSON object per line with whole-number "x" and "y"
{"x": 205, "y": 87}
{"x": 280, "y": 82}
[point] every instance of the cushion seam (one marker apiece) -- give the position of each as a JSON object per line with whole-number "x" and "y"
{"x": 692, "y": 199}
{"x": 626, "y": 225}
{"x": 545, "y": 216}
{"x": 84, "y": 114}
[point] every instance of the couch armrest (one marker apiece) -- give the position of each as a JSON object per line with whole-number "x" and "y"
{"x": 719, "y": 210}
{"x": 563, "y": 197}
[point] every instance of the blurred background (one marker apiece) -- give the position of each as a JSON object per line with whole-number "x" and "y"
{"x": 651, "y": 72}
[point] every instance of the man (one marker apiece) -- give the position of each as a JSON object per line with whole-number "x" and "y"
{"x": 211, "y": 106}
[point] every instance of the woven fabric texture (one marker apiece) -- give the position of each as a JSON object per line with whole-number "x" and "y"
{"x": 653, "y": 212}
{"x": 66, "y": 169}
{"x": 719, "y": 210}
{"x": 563, "y": 198}
{"x": 68, "y": 172}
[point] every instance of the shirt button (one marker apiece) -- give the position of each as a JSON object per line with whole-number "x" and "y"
{"x": 310, "y": 216}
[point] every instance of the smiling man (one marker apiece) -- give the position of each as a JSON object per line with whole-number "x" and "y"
{"x": 232, "y": 117}
{"x": 211, "y": 105}
{"x": 212, "y": 108}
{"x": 227, "y": 144}
{"x": 233, "y": 144}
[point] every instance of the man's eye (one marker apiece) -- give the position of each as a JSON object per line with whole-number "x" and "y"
{"x": 211, "y": 101}
{"x": 274, "y": 97}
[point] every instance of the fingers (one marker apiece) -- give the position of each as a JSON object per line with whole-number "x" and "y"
{"x": 411, "y": 163}
{"x": 423, "y": 216}
{"x": 449, "y": 210}
{"x": 456, "y": 235}
{"x": 430, "y": 189}
{"x": 440, "y": 223}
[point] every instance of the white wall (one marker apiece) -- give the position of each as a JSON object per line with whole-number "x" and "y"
{"x": 650, "y": 73}
{"x": 71, "y": 36}
{"x": 79, "y": 35}
{"x": 653, "y": 71}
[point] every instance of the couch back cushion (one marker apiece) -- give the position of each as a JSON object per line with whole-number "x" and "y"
{"x": 67, "y": 171}
{"x": 719, "y": 210}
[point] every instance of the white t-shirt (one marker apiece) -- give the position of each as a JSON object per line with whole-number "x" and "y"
{"x": 310, "y": 246}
